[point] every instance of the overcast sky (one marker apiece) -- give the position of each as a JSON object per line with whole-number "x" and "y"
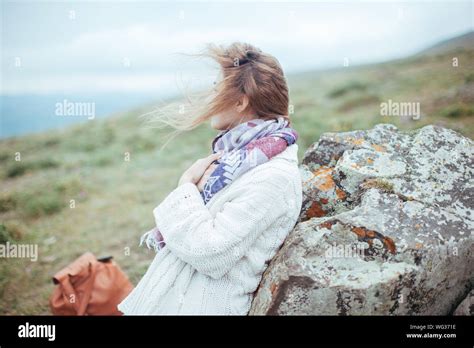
{"x": 131, "y": 46}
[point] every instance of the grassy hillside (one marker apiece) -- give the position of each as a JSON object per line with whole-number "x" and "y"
{"x": 114, "y": 198}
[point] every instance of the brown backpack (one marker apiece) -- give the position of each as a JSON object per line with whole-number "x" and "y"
{"x": 89, "y": 286}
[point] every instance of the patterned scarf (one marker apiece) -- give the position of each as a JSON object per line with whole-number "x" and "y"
{"x": 245, "y": 146}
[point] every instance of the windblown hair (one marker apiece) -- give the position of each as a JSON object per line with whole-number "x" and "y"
{"x": 245, "y": 70}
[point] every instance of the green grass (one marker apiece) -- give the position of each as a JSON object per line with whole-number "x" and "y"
{"x": 458, "y": 111}
{"x": 348, "y": 88}
{"x": 22, "y": 167}
{"x": 113, "y": 199}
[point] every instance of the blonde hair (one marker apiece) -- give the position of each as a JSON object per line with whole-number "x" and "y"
{"x": 246, "y": 70}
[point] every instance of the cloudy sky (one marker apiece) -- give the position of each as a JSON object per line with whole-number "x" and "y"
{"x": 111, "y": 46}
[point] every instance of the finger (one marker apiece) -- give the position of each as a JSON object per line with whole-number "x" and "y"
{"x": 211, "y": 158}
{"x": 201, "y": 165}
{"x": 211, "y": 168}
{"x": 215, "y": 155}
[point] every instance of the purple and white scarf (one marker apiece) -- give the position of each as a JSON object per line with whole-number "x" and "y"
{"x": 244, "y": 147}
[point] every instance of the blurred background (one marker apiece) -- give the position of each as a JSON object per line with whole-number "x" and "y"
{"x": 121, "y": 59}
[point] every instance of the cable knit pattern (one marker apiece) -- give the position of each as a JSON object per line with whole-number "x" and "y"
{"x": 215, "y": 254}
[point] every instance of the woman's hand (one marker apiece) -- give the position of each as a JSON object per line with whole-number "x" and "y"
{"x": 205, "y": 176}
{"x": 198, "y": 169}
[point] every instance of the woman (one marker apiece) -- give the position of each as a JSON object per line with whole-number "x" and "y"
{"x": 231, "y": 211}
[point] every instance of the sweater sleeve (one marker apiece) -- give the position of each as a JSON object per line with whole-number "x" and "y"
{"x": 213, "y": 245}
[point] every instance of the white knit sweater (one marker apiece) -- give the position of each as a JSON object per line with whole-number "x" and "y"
{"x": 215, "y": 254}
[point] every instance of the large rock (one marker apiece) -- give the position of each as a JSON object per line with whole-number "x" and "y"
{"x": 467, "y": 305}
{"x": 386, "y": 227}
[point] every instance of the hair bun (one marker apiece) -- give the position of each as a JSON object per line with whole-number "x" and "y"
{"x": 250, "y": 55}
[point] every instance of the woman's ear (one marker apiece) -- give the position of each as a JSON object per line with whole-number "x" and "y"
{"x": 242, "y": 103}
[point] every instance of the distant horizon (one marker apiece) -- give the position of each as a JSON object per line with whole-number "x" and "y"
{"x": 36, "y": 111}
{"x": 121, "y": 55}
{"x": 109, "y": 47}
{"x": 291, "y": 73}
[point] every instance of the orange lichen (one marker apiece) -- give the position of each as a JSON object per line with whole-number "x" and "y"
{"x": 356, "y": 141}
{"x": 379, "y": 148}
{"x": 368, "y": 236}
{"x": 340, "y": 194}
{"x": 273, "y": 288}
{"x": 327, "y": 224}
{"x": 359, "y": 231}
{"x": 322, "y": 171}
{"x": 389, "y": 244}
{"x": 323, "y": 179}
{"x": 316, "y": 174}
{"x": 315, "y": 210}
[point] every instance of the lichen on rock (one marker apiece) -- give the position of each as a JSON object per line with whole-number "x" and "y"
{"x": 386, "y": 227}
